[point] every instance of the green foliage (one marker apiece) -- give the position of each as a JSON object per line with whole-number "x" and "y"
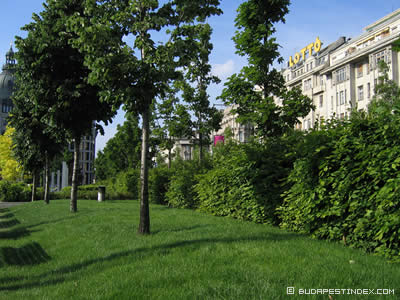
{"x": 183, "y": 179}
{"x": 242, "y": 183}
{"x": 254, "y": 90}
{"x": 159, "y": 179}
{"x": 10, "y": 169}
{"x": 14, "y": 192}
{"x": 125, "y": 185}
{"x": 122, "y": 152}
{"x": 344, "y": 183}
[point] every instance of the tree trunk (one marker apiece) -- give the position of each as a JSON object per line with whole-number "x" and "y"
{"x": 144, "y": 224}
{"x": 201, "y": 148}
{"x": 74, "y": 188}
{"x": 34, "y": 185}
{"x": 169, "y": 158}
{"x": 46, "y": 180}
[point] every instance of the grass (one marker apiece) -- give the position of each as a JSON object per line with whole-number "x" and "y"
{"x": 48, "y": 253}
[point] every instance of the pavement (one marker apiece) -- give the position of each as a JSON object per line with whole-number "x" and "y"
{"x": 9, "y": 204}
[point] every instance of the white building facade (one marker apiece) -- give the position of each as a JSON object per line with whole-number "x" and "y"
{"x": 343, "y": 75}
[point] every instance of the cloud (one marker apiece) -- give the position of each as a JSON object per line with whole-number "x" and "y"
{"x": 225, "y": 70}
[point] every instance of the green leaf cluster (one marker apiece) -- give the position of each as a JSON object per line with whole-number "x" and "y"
{"x": 344, "y": 184}
{"x": 246, "y": 179}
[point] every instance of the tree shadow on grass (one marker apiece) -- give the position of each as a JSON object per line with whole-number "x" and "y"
{"x": 7, "y": 216}
{"x": 180, "y": 229}
{"x": 28, "y": 255}
{"x": 8, "y": 224}
{"x": 67, "y": 273}
{"x": 15, "y": 234}
{"x": 2, "y": 210}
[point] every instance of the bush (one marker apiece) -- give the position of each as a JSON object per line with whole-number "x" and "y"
{"x": 245, "y": 182}
{"x": 125, "y": 185}
{"x": 14, "y": 192}
{"x": 345, "y": 185}
{"x": 159, "y": 180}
{"x": 183, "y": 178}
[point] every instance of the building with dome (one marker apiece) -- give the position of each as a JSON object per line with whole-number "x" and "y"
{"x": 6, "y": 87}
{"x": 61, "y": 178}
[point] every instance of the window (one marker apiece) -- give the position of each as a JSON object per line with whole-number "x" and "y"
{"x": 341, "y": 75}
{"x": 241, "y": 136}
{"x": 6, "y": 108}
{"x": 187, "y": 155}
{"x": 307, "y": 84}
{"x": 360, "y": 92}
{"x": 359, "y": 71}
{"x": 368, "y": 90}
{"x": 342, "y": 97}
{"x": 321, "y": 100}
{"x": 380, "y": 56}
{"x": 321, "y": 80}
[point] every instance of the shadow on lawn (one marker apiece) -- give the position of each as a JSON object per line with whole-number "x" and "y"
{"x": 15, "y": 234}
{"x": 28, "y": 255}
{"x": 7, "y": 216}
{"x": 67, "y": 273}
{"x": 8, "y": 224}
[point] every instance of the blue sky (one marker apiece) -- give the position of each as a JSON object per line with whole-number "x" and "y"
{"x": 307, "y": 19}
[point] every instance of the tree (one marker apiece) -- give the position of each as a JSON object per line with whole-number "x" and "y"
{"x": 10, "y": 169}
{"x": 36, "y": 144}
{"x": 136, "y": 75}
{"x": 198, "y": 78}
{"x": 121, "y": 151}
{"x": 56, "y": 68}
{"x": 254, "y": 89}
{"x": 176, "y": 122}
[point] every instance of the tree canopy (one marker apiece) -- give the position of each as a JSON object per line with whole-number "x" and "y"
{"x": 138, "y": 73}
{"x": 10, "y": 169}
{"x": 253, "y": 91}
{"x": 56, "y": 78}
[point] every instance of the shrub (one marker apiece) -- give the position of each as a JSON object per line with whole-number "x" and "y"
{"x": 183, "y": 178}
{"x": 159, "y": 180}
{"x": 14, "y": 192}
{"x": 345, "y": 185}
{"x": 180, "y": 192}
{"x": 245, "y": 182}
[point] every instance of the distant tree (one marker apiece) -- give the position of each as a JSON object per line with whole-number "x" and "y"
{"x": 121, "y": 151}
{"x": 57, "y": 69}
{"x": 197, "y": 79}
{"x": 10, "y": 169}
{"x": 36, "y": 143}
{"x": 136, "y": 75}
{"x": 253, "y": 90}
{"x": 176, "y": 122}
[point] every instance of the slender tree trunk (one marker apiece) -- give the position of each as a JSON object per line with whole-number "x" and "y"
{"x": 169, "y": 158}
{"x": 74, "y": 188}
{"x": 201, "y": 148}
{"x": 144, "y": 224}
{"x": 34, "y": 185}
{"x": 46, "y": 180}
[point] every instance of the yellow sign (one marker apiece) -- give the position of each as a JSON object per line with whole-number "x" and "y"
{"x": 317, "y": 47}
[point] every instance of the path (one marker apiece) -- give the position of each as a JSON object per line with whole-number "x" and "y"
{"x": 9, "y": 204}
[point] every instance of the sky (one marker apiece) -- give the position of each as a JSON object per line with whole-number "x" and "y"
{"x": 306, "y": 20}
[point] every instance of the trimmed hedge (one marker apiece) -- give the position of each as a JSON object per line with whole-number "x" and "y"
{"x": 245, "y": 182}
{"x": 14, "y": 192}
{"x": 345, "y": 185}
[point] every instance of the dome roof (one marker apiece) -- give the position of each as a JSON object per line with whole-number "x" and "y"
{"x": 7, "y": 76}
{"x": 6, "y": 81}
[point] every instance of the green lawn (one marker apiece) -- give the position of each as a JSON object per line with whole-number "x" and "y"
{"x": 48, "y": 253}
